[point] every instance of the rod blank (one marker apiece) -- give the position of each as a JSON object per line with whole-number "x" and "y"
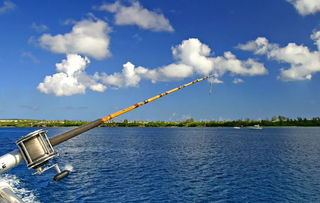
{"x": 74, "y": 132}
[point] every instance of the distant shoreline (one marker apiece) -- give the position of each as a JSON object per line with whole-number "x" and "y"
{"x": 276, "y": 121}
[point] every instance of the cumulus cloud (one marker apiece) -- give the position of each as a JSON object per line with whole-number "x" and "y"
{"x": 302, "y": 61}
{"x": 229, "y": 63}
{"x": 7, "y": 6}
{"x": 135, "y": 14}
{"x": 305, "y": 7}
{"x": 173, "y": 71}
{"x": 70, "y": 78}
{"x": 88, "y": 37}
{"x": 192, "y": 58}
{"x": 128, "y": 77}
{"x": 194, "y": 53}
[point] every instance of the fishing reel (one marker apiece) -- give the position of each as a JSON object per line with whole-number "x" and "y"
{"x": 37, "y": 150}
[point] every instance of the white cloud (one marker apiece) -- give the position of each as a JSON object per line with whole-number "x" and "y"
{"x": 305, "y": 7}
{"x": 215, "y": 80}
{"x": 260, "y": 46}
{"x": 175, "y": 71}
{"x": 129, "y": 77}
{"x": 70, "y": 78}
{"x": 31, "y": 56}
{"x": 192, "y": 57}
{"x": 135, "y": 14}
{"x": 7, "y": 6}
{"x": 229, "y": 63}
{"x": 61, "y": 84}
{"x": 39, "y": 27}
{"x": 88, "y": 37}
{"x": 316, "y": 37}
{"x": 238, "y": 80}
{"x": 194, "y": 53}
{"x": 303, "y": 62}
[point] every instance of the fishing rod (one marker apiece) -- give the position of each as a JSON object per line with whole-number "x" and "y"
{"x": 37, "y": 149}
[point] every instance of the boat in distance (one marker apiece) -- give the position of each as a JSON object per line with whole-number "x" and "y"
{"x": 255, "y": 127}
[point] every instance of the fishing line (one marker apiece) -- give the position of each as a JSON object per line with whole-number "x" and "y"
{"x": 210, "y": 87}
{"x": 210, "y": 80}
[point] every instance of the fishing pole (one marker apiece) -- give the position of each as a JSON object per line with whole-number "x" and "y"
{"x": 36, "y": 149}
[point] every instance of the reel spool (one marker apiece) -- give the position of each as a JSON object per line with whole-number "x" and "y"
{"x": 37, "y": 150}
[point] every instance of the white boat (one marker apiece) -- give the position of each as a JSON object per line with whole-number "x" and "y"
{"x": 256, "y": 127}
{"x": 236, "y": 127}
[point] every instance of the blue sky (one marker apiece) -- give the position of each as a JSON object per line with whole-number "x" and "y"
{"x": 85, "y": 59}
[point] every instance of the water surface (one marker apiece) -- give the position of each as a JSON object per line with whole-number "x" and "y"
{"x": 176, "y": 165}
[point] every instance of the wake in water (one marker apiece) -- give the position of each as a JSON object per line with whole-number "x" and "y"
{"x": 26, "y": 195}
{"x": 68, "y": 167}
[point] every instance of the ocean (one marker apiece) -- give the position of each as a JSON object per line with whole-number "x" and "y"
{"x": 175, "y": 165}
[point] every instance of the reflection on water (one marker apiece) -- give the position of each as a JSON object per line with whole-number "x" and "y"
{"x": 179, "y": 164}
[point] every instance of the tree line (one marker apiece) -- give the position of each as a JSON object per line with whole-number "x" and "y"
{"x": 274, "y": 121}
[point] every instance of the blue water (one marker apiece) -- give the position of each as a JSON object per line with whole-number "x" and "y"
{"x": 177, "y": 165}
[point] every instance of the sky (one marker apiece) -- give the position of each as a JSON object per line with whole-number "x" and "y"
{"x": 82, "y": 60}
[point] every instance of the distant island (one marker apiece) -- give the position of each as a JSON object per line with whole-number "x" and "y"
{"x": 274, "y": 121}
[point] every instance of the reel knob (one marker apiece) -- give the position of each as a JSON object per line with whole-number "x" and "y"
{"x": 61, "y": 175}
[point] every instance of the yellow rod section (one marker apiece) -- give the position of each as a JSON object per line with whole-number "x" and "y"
{"x": 129, "y": 108}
